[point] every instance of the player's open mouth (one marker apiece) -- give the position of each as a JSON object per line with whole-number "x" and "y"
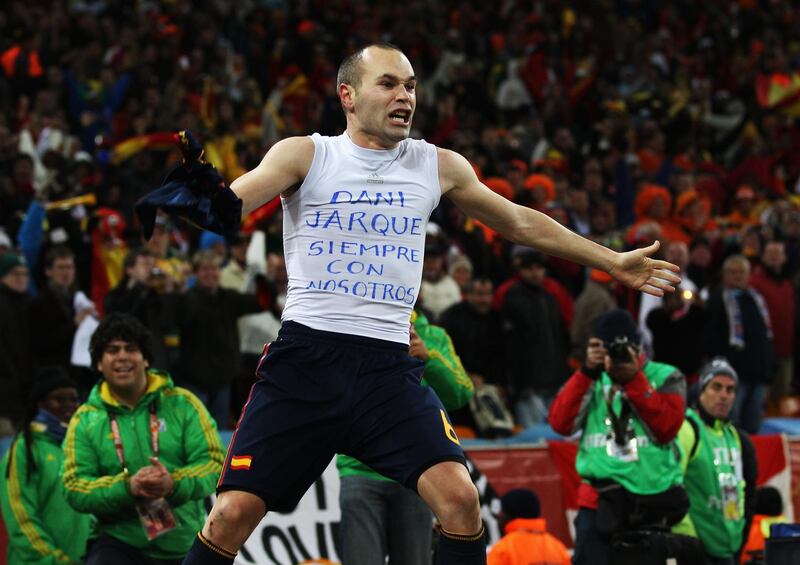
{"x": 400, "y": 117}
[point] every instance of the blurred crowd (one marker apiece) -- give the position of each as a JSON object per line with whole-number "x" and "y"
{"x": 628, "y": 121}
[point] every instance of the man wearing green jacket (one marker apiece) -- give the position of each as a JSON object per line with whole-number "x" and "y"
{"x": 140, "y": 455}
{"x": 380, "y": 517}
{"x": 720, "y": 468}
{"x": 42, "y": 528}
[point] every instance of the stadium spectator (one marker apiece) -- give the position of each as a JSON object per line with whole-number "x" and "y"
{"x": 535, "y": 350}
{"x": 772, "y": 281}
{"x": 477, "y": 331}
{"x": 739, "y": 329}
{"x": 54, "y": 316}
{"x": 525, "y": 539}
{"x": 141, "y": 455}
{"x": 677, "y": 328}
{"x": 629, "y": 410}
{"x": 16, "y": 340}
{"x": 42, "y": 528}
{"x": 143, "y": 293}
{"x": 720, "y": 468}
{"x": 596, "y": 299}
{"x": 207, "y": 318}
{"x": 676, "y": 252}
{"x": 439, "y": 290}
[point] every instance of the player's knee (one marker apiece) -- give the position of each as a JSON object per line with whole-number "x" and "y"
{"x": 234, "y": 516}
{"x": 461, "y": 503}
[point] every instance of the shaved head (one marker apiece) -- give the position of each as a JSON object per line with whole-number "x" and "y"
{"x": 350, "y": 72}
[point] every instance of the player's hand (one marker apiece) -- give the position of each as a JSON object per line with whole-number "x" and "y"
{"x": 595, "y": 353}
{"x": 416, "y": 348}
{"x": 637, "y": 270}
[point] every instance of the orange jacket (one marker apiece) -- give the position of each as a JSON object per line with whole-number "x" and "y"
{"x": 759, "y": 531}
{"x": 527, "y": 543}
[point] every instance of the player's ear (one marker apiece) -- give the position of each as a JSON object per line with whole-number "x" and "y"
{"x": 347, "y": 94}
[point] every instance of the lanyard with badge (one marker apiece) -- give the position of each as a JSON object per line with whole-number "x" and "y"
{"x": 155, "y": 514}
{"x": 621, "y": 441}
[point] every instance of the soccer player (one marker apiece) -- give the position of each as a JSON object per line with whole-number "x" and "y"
{"x": 339, "y": 378}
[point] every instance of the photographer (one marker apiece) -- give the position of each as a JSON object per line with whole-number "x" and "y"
{"x": 629, "y": 410}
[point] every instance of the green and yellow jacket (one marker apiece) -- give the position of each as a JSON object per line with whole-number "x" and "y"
{"x": 189, "y": 447}
{"x": 720, "y": 469}
{"x": 42, "y": 528}
{"x": 443, "y": 371}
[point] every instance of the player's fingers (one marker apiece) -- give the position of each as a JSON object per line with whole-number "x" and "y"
{"x": 659, "y": 283}
{"x": 652, "y": 248}
{"x": 666, "y": 276}
{"x": 665, "y": 266}
{"x": 652, "y": 290}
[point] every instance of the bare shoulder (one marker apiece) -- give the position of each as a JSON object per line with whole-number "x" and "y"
{"x": 292, "y": 153}
{"x": 454, "y": 170}
{"x": 283, "y": 168}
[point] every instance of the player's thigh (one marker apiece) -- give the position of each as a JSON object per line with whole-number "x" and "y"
{"x": 400, "y": 428}
{"x": 290, "y": 427}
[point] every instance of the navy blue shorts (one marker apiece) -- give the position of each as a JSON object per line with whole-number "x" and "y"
{"x": 322, "y": 393}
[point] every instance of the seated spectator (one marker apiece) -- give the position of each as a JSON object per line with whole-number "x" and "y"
{"x": 141, "y": 455}
{"x": 42, "y": 528}
{"x": 525, "y": 539}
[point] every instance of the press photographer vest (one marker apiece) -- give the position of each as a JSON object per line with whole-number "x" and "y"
{"x": 658, "y": 465}
{"x": 354, "y": 236}
{"x": 715, "y": 484}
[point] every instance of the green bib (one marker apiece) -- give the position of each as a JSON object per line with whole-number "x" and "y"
{"x": 642, "y": 466}
{"x": 715, "y": 485}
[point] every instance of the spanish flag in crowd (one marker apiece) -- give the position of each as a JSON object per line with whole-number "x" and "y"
{"x": 124, "y": 150}
{"x": 779, "y": 91}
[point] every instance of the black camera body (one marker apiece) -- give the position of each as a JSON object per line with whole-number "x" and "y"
{"x": 618, "y": 349}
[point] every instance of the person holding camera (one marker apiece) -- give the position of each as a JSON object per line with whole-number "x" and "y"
{"x": 629, "y": 410}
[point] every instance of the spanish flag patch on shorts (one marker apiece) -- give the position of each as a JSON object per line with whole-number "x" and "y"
{"x": 239, "y": 462}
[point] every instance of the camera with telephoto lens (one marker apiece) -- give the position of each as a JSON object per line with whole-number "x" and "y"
{"x": 618, "y": 349}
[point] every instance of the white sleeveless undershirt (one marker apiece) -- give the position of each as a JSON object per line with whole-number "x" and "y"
{"x": 354, "y": 236}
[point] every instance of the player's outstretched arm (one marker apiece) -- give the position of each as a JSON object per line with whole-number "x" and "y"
{"x": 526, "y": 226}
{"x": 283, "y": 167}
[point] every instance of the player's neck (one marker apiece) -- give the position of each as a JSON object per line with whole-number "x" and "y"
{"x": 369, "y": 141}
